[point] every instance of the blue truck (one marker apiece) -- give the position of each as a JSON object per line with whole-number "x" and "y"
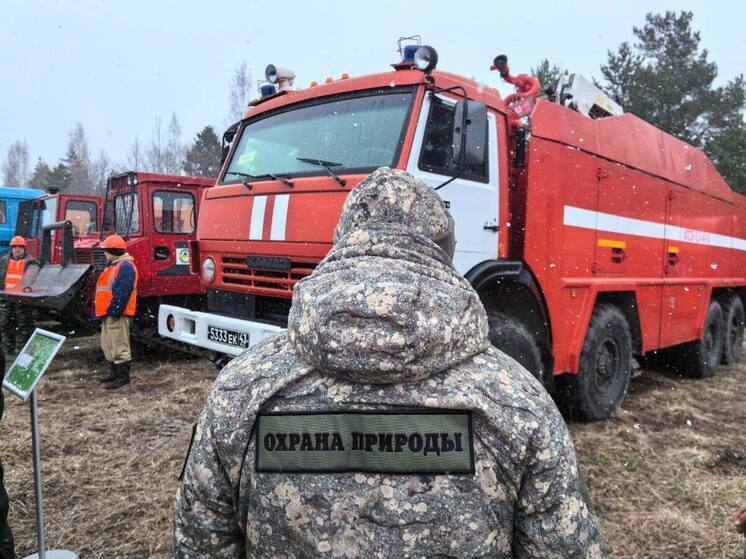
{"x": 10, "y": 200}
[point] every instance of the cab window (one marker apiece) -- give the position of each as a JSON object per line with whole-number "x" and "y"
{"x": 83, "y": 215}
{"x": 437, "y": 149}
{"x": 3, "y": 211}
{"x": 126, "y": 214}
{"x": 173, "y": 212}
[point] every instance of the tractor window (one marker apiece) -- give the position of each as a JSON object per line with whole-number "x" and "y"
{"x": 173, "y": 212}
{"x": 29, "y": 216}
{"x": 437, "y": 148}
{"x": 126, "y": 212}
{"x": 83, "y": 215}
{"x": 3, "y": 211}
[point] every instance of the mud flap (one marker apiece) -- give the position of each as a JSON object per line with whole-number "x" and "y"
{"x": 50, "y": 286}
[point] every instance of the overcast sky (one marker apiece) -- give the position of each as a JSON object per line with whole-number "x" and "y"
{"x": 114, "y": 66}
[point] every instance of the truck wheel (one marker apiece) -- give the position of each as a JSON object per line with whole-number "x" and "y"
{"x": 734, "y": 322}
{"x": 511, "y": 337}
{"x": 605, "y": 365}
{"x": 700, "y": 358}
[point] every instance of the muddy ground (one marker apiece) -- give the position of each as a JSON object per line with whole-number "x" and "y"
{"x": 666, "y": 474}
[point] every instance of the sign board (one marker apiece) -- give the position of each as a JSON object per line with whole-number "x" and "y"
{"x": 182, "y": 256}
{"x": 32, "y": 362}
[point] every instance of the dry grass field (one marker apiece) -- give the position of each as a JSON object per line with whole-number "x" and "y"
{"x": 666, "y": 474}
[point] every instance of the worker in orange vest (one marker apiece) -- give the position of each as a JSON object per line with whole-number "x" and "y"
{"x": 115, "y": 302}
{"x": 16, "y": 319}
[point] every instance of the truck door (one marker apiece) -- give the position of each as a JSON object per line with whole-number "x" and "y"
{"x": 472, "y": 198}
{"x": 173, "y": 226}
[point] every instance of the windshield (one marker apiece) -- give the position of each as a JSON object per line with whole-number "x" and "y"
{"x": 358, "y": 133}
{"x": 83, "y": 215}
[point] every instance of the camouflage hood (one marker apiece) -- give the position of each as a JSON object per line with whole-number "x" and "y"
{"x": 386, "y": 305}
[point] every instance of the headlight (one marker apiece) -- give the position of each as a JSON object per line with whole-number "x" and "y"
{"x": 208, "y": 269}
{"x": 425, "y": 58}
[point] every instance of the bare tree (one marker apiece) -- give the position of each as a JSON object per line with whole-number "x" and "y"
{"x": 136, "y": 156}
{"x": 240, "y": 93}
{"x": 16, "y": 166}
{"x": 175, "y": 151}
{"x": 101, "y": 169}
{"x": 165, "y": 152}
{"x": 154, "y": 155}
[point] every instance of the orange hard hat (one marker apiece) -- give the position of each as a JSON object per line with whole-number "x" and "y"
{"x": 18, "y": 241}
{"x": 114, "y": 241}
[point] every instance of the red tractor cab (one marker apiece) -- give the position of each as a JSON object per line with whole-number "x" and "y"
{"x": 83, "y": 211}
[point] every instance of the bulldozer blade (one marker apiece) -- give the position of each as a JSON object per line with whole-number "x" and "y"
{"x": 50, "y": 286}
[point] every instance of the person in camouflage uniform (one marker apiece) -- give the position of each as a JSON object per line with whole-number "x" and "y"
{"x": 7, "y": 550}
{"x": 382, "y": 423}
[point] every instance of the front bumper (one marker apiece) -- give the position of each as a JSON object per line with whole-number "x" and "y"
{"x": 193, "y": 328}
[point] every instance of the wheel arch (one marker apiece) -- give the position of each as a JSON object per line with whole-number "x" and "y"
{"x": 625, "y": 301}
{"x": 511, "y": 288}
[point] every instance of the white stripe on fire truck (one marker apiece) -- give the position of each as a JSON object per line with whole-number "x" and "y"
{"x": 257, "y": 218}
{"x": 279, "y": 217}
{"x": 600, "y": 221}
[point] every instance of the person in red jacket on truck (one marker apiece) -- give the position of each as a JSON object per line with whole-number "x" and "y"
{"x": 115, "y": 304}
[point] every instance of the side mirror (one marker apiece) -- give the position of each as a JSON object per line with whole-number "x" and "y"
{"x": 470, "y": 132}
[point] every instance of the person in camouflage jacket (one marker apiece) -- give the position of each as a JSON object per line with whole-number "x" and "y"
{"x": 7, "y": 550}
{"x": 382, "y": 423}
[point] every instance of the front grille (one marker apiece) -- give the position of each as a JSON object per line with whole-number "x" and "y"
{"x": 239, "y": 305}
{"x": 249, "y": 307}
{"x": 236, "y": 271}
{"x": 83, "y": 256}
{"x": 99, "y": 259}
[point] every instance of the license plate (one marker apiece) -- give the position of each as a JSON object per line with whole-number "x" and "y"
{"x": 229, "y": 337}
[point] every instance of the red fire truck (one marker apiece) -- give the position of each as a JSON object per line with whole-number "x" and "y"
{"x": 591, "y": 236}
{"x": 157, "y": 216}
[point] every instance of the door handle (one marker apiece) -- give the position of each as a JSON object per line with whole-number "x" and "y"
{"x": 494, "y": 228}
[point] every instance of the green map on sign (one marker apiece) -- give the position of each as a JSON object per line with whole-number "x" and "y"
{"x": 29, "y": 365}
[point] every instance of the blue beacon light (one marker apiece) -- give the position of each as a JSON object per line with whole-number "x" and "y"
{"x": 408, "y": 53}
{"x": 267, "y": 90}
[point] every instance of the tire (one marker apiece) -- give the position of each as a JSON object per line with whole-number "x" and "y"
{"x": 605, "y": 366}
{"x": 734, "y": 325}
{"x": 513, "y": 338}
{"x": 700, "y": 359}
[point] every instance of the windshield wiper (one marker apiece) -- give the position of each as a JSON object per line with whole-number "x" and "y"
{"x": 327, "y": 165}
{"x": 283, "y": 180}
{"x": 246, "y": 176}
{"x": 255, "y": 178}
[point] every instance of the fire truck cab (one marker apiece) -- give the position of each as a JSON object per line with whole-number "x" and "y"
{"x": 591, "y": 236}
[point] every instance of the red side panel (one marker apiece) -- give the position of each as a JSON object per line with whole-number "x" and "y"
{"x": 633, "y": 142}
